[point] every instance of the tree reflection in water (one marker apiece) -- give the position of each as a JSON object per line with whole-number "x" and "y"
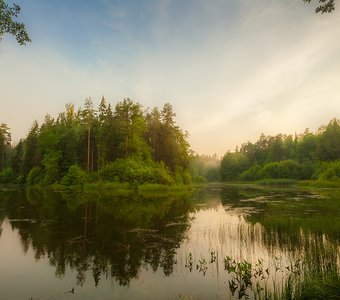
{"x": 139, "y": 241}
{"x": 104, "y": 234}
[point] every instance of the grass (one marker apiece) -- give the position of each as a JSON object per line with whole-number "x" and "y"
{"x": 305, "y": 279}
{"x": 279, "y": 181}
{"x": 317, "y": 287}
{"x": 126, "y": 188}
{"x": 320, "y": 183}
{"x": 333, "y": 184}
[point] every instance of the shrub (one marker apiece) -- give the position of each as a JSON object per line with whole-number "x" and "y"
{"x": 136, "y": 171}
{"x": 250, "y": 174}
{"x": 307, "y": 170}
{"x": 187, "y": 179}
{"x": 74, "y": 176}
{"x": 289, "y": 169}
{"x": 270, "y": 170}
{"x": 329, "y": 171}
{"x": 162, "y": 174}
{"x": 320, "y": 168}
{"x": 232, "y": 165}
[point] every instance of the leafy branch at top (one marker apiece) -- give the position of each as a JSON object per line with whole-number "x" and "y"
{"x": 8, "y": 25}
{"x": 326, "y": 6}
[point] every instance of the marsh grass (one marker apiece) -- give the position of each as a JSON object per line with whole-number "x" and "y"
{"x": 321, "y": 183}
{"x": 302, "y": 279}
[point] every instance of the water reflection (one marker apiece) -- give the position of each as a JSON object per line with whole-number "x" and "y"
{"x": 175, "y": 246}
{"x": 108, "y": 236}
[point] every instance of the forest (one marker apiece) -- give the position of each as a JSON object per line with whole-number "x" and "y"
{"x": 129, "y": 144}
{"x": 307, "y": 156}
{"x": 124, "y": 144}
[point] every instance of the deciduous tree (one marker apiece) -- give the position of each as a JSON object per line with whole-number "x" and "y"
{"x": 325, "y": 6}
{"x": 9, "y": 25}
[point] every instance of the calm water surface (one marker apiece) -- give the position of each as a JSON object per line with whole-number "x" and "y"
{"x": 161, "y": 247}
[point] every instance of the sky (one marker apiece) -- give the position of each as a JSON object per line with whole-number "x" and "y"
{"x": 232, "y": 69}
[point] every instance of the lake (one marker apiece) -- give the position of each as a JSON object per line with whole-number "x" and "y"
{"x": 221, "y": 242}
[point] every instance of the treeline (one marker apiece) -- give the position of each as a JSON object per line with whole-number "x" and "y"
{"x": 124, "y": 144}
{"x": 301, "y": 157}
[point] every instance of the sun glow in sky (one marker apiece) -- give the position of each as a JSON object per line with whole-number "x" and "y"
{"x": 232, "y": 69}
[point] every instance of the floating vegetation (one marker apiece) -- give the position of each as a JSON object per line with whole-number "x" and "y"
{"x": 202, "y": 266}
{"x": 241, "y": 273}
{"x": 189, "y": 262}
{"x": 213, "y": 256}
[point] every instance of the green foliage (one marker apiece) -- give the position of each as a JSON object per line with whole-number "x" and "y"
{"x": 74, "y": 176}
{"x": 251, "y": 174}
{"x": 162, "y": 174}
{"x": 8, "y": 25}
{"x": 167, "y": 141}
{"x": 132, "y": 128}
{"x": 329, "y": 145}
{"x": 320, "y": 168}
{"x": 17, "y": 159}
{"x": 306, "y": 147}
{"x": 270, "y": 170}
{"x": 51, "y": 167}
{"x": 289, "y": 169}
{"x": 183, "y": 177}
{"x": 135, "y": 171}
{"x": 34, "y": 176}
{"x": 307, "y": 170}
{"x": 198, "y": 179}
{"x": 325, "y": 6}
{"x": 126, "y": 144}
{"x": 32, "y": 155}
{"x": 319, "y": 286}
{"x": 277, "y": 182}
{"x": 7, "y": 175}
{"x": 232, "y": 165}
{"x": 5, "y": 142}
{"x": 205, "y": 168}
{"x": 303, "y": 157}
{"x": 328, "y": 171}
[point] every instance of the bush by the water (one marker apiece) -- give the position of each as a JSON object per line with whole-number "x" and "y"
{"x": 74, "y": 176}
{"x": 328, "y": 171}
{"x": 136, "y": 171}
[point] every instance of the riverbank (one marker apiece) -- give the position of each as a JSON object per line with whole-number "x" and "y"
{"x": 288, "y": 182}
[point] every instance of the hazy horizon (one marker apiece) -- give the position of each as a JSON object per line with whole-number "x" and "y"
{"x": 231, "y": 69}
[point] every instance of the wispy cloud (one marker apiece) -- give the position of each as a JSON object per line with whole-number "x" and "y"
{"x": 232, "y": 69}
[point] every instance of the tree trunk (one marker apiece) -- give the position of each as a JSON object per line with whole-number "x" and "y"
{"x": 88, "y": 148}
{"x": 126, "y": 146}
{"x": 92, "y": 158}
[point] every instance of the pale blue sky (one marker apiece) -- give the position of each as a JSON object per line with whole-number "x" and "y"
{"x": 232, "y": 69}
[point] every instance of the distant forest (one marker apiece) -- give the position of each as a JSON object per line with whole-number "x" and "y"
{"x": 124, "y": 144}
{"x": 305, "y": 156}
{"x": 129, "y": 144}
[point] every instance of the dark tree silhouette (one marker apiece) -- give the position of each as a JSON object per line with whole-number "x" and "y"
{"x": 326, "y": 6}
{"x": 8, "y": 25}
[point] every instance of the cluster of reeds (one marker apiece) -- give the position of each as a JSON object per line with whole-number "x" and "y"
{"x": 305, "y": 278}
